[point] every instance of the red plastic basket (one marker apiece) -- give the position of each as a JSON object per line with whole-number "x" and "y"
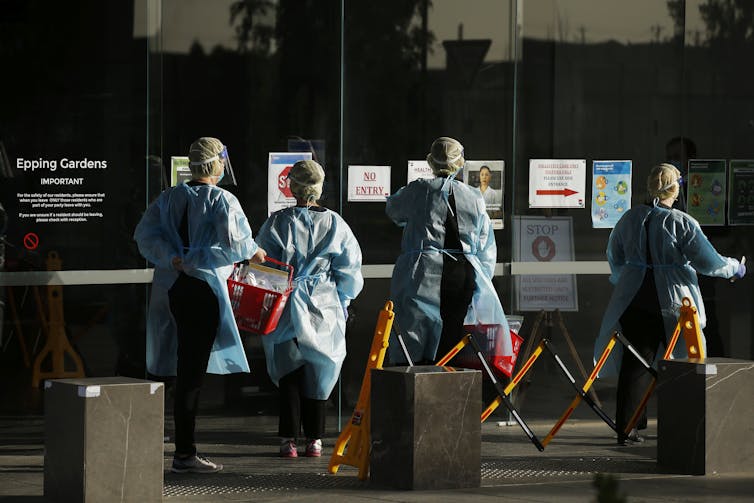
{"x": 257, "y": 310}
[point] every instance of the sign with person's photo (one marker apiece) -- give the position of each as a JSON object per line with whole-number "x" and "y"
{"x": 488, "y": 177}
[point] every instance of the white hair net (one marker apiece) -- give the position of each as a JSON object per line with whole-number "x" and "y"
{"x": 662, "y": 181}
{"x": 446, "y": 156}
{"x": 306, "y": 179}
{"x": 203, "y": 157}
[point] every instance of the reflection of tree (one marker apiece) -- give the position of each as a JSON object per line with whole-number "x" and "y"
{"x": 251, "y": 33}
{"x": 677, "y": 11}
{"x": 385, "y": 46}
{"x": 730, "y": 23}
{"x": 384, "y": 79}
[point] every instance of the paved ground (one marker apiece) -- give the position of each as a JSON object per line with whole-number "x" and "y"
{"x": 512, "y": 469}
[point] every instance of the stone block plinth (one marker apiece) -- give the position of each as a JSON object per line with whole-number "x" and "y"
{"x": 704, "y": 416}
{"x": 425, "y": 427}
{"x": 103, "y": 440}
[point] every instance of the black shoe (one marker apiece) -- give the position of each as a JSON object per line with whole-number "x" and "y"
{"x": 632, "y": 438}
{"x": 642, "y": 423}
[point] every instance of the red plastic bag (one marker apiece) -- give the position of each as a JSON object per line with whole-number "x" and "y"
{"x": 489, "y": 338}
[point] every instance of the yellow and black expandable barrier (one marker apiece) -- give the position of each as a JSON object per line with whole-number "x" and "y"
{"x": 688, "y": 323}
{"x": 503, "y": 393}
{"x": 545, "y": 343}
{"x": 354, "y": 442}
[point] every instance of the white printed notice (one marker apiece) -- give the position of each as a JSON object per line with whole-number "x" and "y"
{"x": 61, "y": 190}
{"x": 542, "y": 239}
{"x": 418, "y": 170}
{"x": 279, "y": 193}
{"x": 368, "y": 183}
{"x": 557, "y": 183}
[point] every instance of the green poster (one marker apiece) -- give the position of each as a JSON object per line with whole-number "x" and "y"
{"x": 179, "y": 170}
{"x": 741, "y": 192}
{"x": 706, "y": 191}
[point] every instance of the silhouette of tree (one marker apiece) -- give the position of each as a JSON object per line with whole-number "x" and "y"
{"x": 730, "y": 23}
{"x": 252, "y": 34}
{"x": 677, "y": 11}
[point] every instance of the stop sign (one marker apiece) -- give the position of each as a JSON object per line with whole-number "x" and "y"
{"x": 283, "y": 183}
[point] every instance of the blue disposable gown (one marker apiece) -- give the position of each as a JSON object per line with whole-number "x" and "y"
{"x": 421, "y": 209}
{"x": 219, "y": 235}
{"x": 679, "y": 250}
{"x": 326, "y": 259}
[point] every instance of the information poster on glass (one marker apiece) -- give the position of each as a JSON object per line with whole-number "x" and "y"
{"x": 741, "y": 192}
{"x": 557, "y": 183}
{"x": 417, "y": 170}
{"x": 179, "y": 170}
{"x": 706, "y": 191}
{"x": 488, "y": 177}
{"x": 611, "y": 192}
{"x": 279, "y": 164}
{"x": 542, "y": 239}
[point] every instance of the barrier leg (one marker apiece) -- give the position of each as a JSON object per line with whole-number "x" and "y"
{"x": 581, "y": 392}
{"x": 353, "y": 444}
{"x": 575, "y": 354}
{"x": 399, "y": 336}
{"x": 514, "y": 382}
{"x": 504, "y": 396}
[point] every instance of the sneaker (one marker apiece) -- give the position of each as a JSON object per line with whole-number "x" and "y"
{"x": 288, "y": 449}
{"x": 313, "y": 448}
{"x": 631, "y": 438}
{"x": 194, "y": 464}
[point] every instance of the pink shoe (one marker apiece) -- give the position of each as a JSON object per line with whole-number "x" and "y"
{"x": 313, "y": 448}
{"x": 288, "y": 449}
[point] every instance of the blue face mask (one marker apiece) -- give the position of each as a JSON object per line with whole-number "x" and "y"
{"x": 220, "y": 177}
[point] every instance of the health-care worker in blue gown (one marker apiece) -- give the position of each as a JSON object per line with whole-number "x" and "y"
{"x": 304, "y": 354}
{"x": 193, "y": 233}
{"x": 442, "y": 279}
{"x": 655, "y": 253}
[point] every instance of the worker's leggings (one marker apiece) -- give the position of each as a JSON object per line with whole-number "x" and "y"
{"x": 196, "y": 312}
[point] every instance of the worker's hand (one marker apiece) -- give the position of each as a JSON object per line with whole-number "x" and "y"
{"x": 741, "y": 271}
{"x": 177, "y": 263}
{"x": 258, "y": 257}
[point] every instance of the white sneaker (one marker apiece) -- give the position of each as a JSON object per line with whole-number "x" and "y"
{"x": 314, "y": 448}
{"x": 195, "y": 464}
{"x": 288, "y": 449}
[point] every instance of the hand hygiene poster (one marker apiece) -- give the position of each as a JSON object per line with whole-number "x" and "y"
{"x": 611, "y": 192}
{"x": 741, "y": 192}
{"x": 279, "y": 194}
{"x": 706, "y": 191}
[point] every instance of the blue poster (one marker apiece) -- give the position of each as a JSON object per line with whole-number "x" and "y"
{"x": 611, "y": 192}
